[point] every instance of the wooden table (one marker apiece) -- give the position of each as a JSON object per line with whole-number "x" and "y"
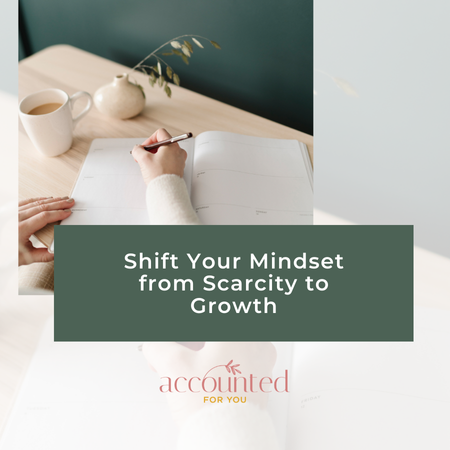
{"x": 73, "y": 70}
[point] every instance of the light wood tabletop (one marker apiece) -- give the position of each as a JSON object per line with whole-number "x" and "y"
{"x": 72, "y": 70}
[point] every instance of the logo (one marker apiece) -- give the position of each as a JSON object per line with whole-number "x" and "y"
{"x": 215, "y": 382}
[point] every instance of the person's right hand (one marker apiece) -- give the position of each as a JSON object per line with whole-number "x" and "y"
{"x": 168, "y": 159}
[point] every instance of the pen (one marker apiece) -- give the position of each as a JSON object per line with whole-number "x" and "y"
{"x": 172, "y": 140}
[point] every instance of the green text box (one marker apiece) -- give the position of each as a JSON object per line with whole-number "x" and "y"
{"x": 369, "y": 299}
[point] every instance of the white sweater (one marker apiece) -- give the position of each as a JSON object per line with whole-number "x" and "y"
{"x": 168, "y": 202}
{"x": 218, "y": 427}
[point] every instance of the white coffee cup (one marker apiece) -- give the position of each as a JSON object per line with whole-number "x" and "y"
{"x": 52, "y": 133}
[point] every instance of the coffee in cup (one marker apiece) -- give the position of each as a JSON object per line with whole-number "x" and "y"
{"x": 45, "y": 109}
{"x": 47, "y": 118}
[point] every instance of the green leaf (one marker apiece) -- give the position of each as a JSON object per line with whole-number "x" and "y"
{"x": 155, "y": 69}
{"x": 177, "y": 52}
{"x": 168, "y": 90}
{"x": 197, "y": 42}
{"x": 167, "y": 54}
{"x": 152, "y": 79}
{"x": 186, "y": 51}
{"x": 185, "y": 59}
{"x": 169, "y": 72}
{"x": 161, "y": 80}
{"x": 176, "y": 79}
{"x": 215, "y": 44}
{"x": 175, "y": 44}
{"x": 159, "y": 68}
{"x": 189, "y": 46}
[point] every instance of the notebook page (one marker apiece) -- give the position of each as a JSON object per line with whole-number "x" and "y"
{"x": 247, "y": 180}
{"x": 110, "y": 189}
{"x": 374, "y": 395}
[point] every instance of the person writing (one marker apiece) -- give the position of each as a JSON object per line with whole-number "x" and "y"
{"x": 168, "y": 201}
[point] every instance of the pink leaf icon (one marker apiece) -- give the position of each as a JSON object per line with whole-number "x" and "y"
{"x": 228, "y": 366}
{"x": 233, "y": 368}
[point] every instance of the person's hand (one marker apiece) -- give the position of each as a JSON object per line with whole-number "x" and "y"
{"x": 34, "y": 214}
{"x": 167, "y": 159}
{"x": 170, "y": 359}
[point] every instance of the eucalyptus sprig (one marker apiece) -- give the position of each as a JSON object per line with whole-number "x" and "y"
{"x": 179, "y": 46}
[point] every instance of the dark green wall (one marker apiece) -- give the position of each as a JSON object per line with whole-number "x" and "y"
{"x": 265, "y": 65}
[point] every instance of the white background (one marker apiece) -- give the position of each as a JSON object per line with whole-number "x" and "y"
{"x": 384, "y": 157}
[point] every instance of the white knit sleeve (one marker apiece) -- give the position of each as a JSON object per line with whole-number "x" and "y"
{"x": 168, "y": 202}
{"x": 229, "y": 427}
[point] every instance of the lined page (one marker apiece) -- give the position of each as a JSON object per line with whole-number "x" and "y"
{"x": 110, "y": 189}
{"x": 249, "y": 180}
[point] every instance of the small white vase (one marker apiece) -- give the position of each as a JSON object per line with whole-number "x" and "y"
{"x": 120, "y": 99}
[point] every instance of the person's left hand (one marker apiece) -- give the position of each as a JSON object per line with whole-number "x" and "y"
{"x": 34, "y": 214}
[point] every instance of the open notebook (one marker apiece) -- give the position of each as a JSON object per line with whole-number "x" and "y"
{"x": 232, "y": 179}
{"x": 349, "y": 396}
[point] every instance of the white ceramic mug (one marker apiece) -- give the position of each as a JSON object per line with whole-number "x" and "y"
{"x": 52, "y": 133}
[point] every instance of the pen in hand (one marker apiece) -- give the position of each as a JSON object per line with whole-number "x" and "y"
{"x": 172, "y": 140}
